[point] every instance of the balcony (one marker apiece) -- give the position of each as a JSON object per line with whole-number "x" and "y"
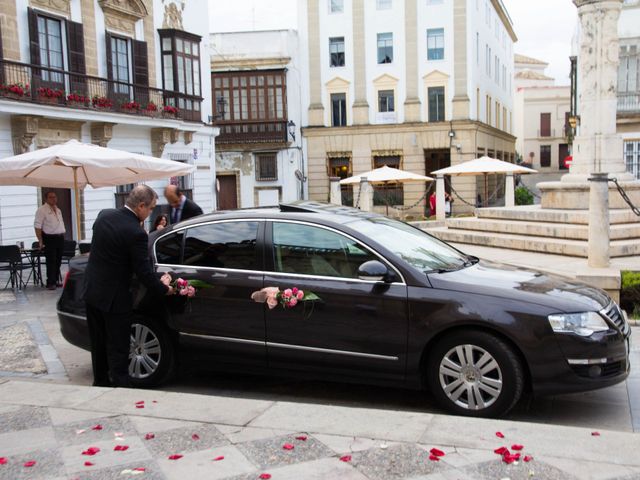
{"x": 629, "y": 103}
{"x": 48, "y": 86}
{"x": 250, "y": 132}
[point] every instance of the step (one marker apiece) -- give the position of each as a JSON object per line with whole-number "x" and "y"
{"x": 536, "y": 214}
{"x": 573, "y": 248}
{"x": 541, "y": 229}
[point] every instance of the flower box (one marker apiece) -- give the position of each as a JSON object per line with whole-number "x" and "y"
{"x": 48, "y": 100}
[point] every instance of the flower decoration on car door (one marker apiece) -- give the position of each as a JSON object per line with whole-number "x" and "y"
{"x": 287, "y": 298}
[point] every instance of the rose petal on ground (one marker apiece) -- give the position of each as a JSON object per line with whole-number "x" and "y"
{"x": 140, "y": 469}
{"x": 175, "y": 457}
{"x": 91, "y": 451}
{"x": 149, "y": 436}
{"x": 517, "y": 447}
{"x": 264, "y": 476}
{"x": 302, "y": 438}
{"x": 96, "y": 427}
{"x": 595, "y": 434}
{"x": 140, "y": 405}
{"x": 195, "y": 436}
{"x": 501, "y": 450}
{"x": 154, "y": 401}
{"x": 384, "y": 446}
{"x": 118, "y": 434}
{"x": 434, "y": 458}
{"x": 89, "y": 464}
{"x": 140, "y": 402}
{"x": 79, "y": 432}
{"x": 3, "y": 460}
{"x": 527, "y": 458}
{"x": 510, "y": 458}
{"x": 121, "y": 448}
{"x": 346, "y": 458}
{"x": 288, "y": 446}
{"x": 499, "y": 434}
{"x": 217, "y": 459}
{"x": 436, "y": 452}
{"x": 30, "y": 463}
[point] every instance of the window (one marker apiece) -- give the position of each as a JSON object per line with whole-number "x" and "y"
{"x": 390, "y": 193}
{"x": 308, "y": 250}
{"x": 545, "y": 124}
{"x": 338, "y": 109}
{"x": 341, "y": 167}
{"x": 629, "y": 71}
{"x": 487, "y": 57}
{"x": 222, "y": 245}
{"x": 477, "y": 48}
{"x": 184, "y": 182}
{"x": 168, "y": 249}
{"x": 384, "y": 4}
{"x": 122, "y": 192}
{"x": 385, "y": 47}
{"x": 504, "y": 77}
{"x": 266, "y": 166}
{"x": 336, "y": 51}
{"x": 632, "y": 157}
{"x": 497, "y": 29}
{"x": 487, "y": 13}
{"x": 385, "y": 101}
{"x": 336, "y": 6}
{"x": 50, "y": 43}
{"x": 545, "y": 155}
{"x": 497, "y": 72}
{"x": 436, "y": 104}
{"x": 120, "y": 64}
{"x": 435, "y": 44}
{"x": 180, "y": 52}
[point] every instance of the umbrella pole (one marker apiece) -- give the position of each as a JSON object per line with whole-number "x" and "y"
{"x": 486, "y": 190}
{"x": 77, "y": 201}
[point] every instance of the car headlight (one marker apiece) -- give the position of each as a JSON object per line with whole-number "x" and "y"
{"x": 583, "y": 324}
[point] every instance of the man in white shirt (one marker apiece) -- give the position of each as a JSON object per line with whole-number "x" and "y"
{"x": 49, "y": 226}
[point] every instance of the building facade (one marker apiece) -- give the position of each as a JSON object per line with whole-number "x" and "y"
{"x": 256, "y": 84}
{"x": 416, "y": 84}
{"x": 541, "y": 119}
{"x": 126, "y": 74}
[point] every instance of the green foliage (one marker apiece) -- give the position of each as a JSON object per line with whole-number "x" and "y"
{"x": 523, "y": 196}
{"x": 630, "y": 293}
{"x": 630, "y": 279}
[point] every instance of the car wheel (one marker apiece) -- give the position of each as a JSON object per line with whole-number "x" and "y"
{"x": 475, "y": 374}
{"x": 152, "y": 354}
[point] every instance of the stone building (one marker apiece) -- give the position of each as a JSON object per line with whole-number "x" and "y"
{"x": 415, "y": 84}
{"x": 126, "y": 74}
{"x": 255, "y": 78}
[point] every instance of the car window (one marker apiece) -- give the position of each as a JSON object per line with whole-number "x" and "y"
{"x": 309, "y": 250}
{"x": 223, "y": 245}
{"x": 168, "y": 249}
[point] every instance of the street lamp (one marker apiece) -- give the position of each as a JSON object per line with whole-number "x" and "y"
{"x": 221, "y": 108}
{"x": 291, "y": 126}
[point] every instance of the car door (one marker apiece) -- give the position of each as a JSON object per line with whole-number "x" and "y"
{"x": 220, "y": 322}
{"x": 355, "y": 328}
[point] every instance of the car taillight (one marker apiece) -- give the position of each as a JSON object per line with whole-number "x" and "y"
{"x": 66, "y": 277}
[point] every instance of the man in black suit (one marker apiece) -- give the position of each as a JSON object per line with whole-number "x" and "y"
{"x": 119, "y": 249}
{"x": 181, "y": 207}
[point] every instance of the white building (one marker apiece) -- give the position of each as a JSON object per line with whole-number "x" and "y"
{"x": 256, "y": 83}
{"x": 415, "y": 84}
{"x": 110, "y": 67}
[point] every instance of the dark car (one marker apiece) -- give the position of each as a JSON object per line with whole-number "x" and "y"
{"x": 395, "y": 307}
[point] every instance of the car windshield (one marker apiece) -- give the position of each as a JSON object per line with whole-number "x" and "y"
{"x": 414, "y": 246}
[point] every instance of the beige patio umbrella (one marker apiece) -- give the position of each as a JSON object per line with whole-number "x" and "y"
{"x": 76, "y": 165}
{"x": 484, "y": 166}
{"x": 386, "y": 175}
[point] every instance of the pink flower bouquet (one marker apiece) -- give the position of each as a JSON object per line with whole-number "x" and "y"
{"x": 183, "y": 288}
{"x": 288, "y": 298}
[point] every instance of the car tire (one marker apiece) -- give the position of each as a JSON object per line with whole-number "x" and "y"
{"x": 474, "y": 373}
{"x": 152, "y": 357}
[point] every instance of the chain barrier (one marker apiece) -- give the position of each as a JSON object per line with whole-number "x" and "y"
{"x": 454, "y": 191}
{"x": 625, "y": 197}
{"x": 522, "y": 185}
{"x": 357, "y": 204}
{"x": 416, "y": 203}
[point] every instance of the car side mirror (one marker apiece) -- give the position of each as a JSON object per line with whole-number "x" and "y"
{"x": 373, "y": 271}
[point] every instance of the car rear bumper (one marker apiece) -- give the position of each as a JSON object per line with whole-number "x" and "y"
{"x": 74, "y": 329}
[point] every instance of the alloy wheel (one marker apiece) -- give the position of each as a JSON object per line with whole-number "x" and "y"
{"x": 145, "y": 352}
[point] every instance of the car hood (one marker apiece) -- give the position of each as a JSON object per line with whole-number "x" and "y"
{"x": 522, "y": 284}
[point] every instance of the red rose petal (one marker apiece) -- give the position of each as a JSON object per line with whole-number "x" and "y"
{"x": 149, "y": 436}
{"x": 595, "y": 434}
{"x": 89, "y": 464}
{"x": 154, "y": 401}
{"x": 508, "y": 458}
{"x": 140, "y": 402}
{"x": 3, "y": 460}
{"x": 217, "y": 459}
{"x": 517, "y": 447}
{"x": 121, "y": 448}
{"x": 288, "y": 446}
{"x": 30, "y": 463}
{"x": 436, "y": 452}
{"x": 501, "y": 450}
{"x": 175, "y": 457}
{"x": 91, "y": 451}
{"x": 97, "y": 427}
{"x": 346, "y": 458}
{"x": 302, "y": 438}
{"x": 140, "y": 469}
{"x": 195, "y": 436}
{"x": 264, "y": 476}
{"x": 527, "y": 458}
{"x": 499, "y": 434}
{"x": 140, "y": 406}
{"x": 434, "y": 458}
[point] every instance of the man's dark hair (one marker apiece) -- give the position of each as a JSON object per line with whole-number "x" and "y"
{"x": 141, "y": 194}
{"x": 47, "y": 193}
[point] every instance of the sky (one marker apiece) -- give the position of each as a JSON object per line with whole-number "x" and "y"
{"x": 544, "y": 27}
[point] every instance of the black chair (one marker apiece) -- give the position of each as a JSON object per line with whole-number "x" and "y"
{"x": 84, "y": 247}
{"x": 11, "y": 261}
{"x": 68, "y": 252}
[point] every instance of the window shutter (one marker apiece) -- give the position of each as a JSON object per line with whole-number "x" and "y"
{"x": 1, "y": 57}
{"x": 75, "y": 45}
{"x": 107, "y": 37}
{"x": 140, "y": 63}
{"x": 34, "y": 43}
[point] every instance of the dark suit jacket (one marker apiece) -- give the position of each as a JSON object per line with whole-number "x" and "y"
{"x": 189, "y": 210}
{"x": 119, "y": 249}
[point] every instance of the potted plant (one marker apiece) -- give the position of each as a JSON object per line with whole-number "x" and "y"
{"x": 130, "y": 107}
{"x": 77, "y": 100}
{"x": 170, "y": 111}
{"x": 14, "y": 90}
{"x": 101, "y": 102}
{"x": 151, "y": 110}
{"x": 50, "y": 95}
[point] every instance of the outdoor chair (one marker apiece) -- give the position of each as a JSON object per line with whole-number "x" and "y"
{"x": 68, "y": 252}
{"x": 11, "y": 261}
{"x": 84, "y": 247}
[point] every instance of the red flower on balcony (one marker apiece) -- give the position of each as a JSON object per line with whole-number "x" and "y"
{"x": 130, "y": 106}
{"x": 151, "y": 107}
{"x": 76, "y": 97}
{"x": 17, "y": 89}
{"x": 101, "y": 102}
{"x": 170, "y": 109}
{"x": 50, "y": 92}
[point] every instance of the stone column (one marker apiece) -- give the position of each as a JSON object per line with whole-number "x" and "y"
{"x": 440, "y": 213}
{"x": 335, "y": 195}
{"x": 412, "y": 103}
{"x": 461, "y": 102}
{"x": 316, "y": 109}
{"x": 599, "y": 221}
{"x": 360, "y": 104}
{"x": 366, "y": 195}
{"x": 509, "y": 190}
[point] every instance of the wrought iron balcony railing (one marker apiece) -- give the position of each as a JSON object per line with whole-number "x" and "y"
{"x": 43, "y": 85}
{"x": 252, "y": 132}
{"x": 629, "y": 102}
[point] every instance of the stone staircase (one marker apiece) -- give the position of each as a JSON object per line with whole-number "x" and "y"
{"x": 532, "y": 229}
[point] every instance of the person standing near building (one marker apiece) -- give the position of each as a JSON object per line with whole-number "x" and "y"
{"x": 49, "y": 226}
{"x": 181, "y": 207}
{"x": 119, "y": 249}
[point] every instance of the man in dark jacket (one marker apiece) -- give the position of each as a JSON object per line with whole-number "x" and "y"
{"x": 119, "y": 249}
{"x": 181, "y": 207}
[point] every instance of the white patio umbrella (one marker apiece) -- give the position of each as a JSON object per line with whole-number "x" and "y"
{"x": 483, "y": 166}
{"x": 76, "y": 165}
{"x": 386, "y": 175}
